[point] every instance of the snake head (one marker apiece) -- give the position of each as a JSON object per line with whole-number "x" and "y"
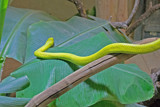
{"x": 50, "y": 41}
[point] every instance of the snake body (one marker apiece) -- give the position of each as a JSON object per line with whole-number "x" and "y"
{"x": 112, "y": 48}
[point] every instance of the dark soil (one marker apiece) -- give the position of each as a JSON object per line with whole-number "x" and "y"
{"x": 156, "y": 103}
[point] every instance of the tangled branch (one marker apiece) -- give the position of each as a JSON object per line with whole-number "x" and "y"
{"x": 142, "y": 18}
{"x": 126, "y": 23}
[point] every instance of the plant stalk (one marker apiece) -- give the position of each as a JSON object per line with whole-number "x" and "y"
{"x": 3, "y": 8}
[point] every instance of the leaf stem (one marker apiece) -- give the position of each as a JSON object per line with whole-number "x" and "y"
{"x": 3, "y": 8}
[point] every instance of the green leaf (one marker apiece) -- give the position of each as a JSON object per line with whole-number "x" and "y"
{"x": 105, "y": 103}
{"x": 14, "y": 38}
{"x": 11, "y": 84}
{"x": 122, "y": 83}
{"x": 13, "y": 102}
{"x": 129, "y": 83}
{"x": 7, "y": 80}
{"x": 3, "y": 8}
{"x": 15, "y": 31}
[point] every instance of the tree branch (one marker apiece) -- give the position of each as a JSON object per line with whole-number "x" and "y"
{"x": 142, "y": 18}
{"x": 80, "y": 7}
{"x": 126, "y": 23}
{"x": 69, "y": 82}
{"x": 58, "y": 89}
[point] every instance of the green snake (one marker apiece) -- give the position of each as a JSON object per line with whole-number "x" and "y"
{"x": 112, "y": 48}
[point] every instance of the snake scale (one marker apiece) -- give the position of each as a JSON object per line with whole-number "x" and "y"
{"x": 112, "y": 48}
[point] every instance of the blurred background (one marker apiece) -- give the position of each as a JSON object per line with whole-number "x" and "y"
{"x": 63, "y": 9}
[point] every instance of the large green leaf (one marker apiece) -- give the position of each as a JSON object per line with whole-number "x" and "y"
{"x": 15, "y": 31}
{"x": 122, "y": 83}
{"x": 14, "y": 38}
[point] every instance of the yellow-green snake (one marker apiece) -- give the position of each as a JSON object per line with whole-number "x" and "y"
{"x": 112, "y": 48}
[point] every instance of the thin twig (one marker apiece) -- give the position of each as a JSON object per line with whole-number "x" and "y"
{"x": 69, "y": 82}
{"x": 150, "y": 4}
{"x": 142, "y": 18}
{"x": 126, "y": 23}
{"x": 80, "y": 7}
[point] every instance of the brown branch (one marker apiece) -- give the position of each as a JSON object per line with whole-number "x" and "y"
{"x": 126, "y": 23}
{"x": 69, "y": 82}
{"x": 58, "y": 89}
{"x": 142, "y": 18}
{"x": 80, "y": 7}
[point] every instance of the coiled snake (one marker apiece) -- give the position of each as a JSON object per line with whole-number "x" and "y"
{"x": 112, "y": 48}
